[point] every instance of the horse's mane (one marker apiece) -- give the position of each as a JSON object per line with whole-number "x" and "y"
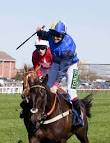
{"x": 28, "y": 68}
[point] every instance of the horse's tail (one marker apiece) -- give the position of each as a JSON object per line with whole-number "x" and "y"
{"x": 87, "y": 101}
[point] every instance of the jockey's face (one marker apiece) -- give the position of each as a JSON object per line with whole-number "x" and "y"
{"x": 57, "y": 39}
{"x": 42, "y": 52}
{"x": 41, "y": 49}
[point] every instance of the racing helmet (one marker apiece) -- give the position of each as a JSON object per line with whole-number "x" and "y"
{"x": 59, "y": 27}
{"x": 40, "y": 42}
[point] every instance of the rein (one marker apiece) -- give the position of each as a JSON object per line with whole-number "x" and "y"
{"x": 53, "y": 107}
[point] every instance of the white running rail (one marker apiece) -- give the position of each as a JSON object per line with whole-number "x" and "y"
{"x": 11, "y": 89}
{"x": 18, "y": 89}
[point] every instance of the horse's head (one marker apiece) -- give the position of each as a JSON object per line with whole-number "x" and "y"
{"x": 38, "y": 97}
{"x": 28, "y": 73}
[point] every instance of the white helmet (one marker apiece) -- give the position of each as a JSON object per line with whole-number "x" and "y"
{"x": 41, "y": 42}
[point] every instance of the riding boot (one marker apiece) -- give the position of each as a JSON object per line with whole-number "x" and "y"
{"x": 77, "y": 107}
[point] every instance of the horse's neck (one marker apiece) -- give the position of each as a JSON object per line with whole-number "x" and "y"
{"x": 60, "y": 106}
{"x": 50, "y": 97}
{"x": 63, "y": 105}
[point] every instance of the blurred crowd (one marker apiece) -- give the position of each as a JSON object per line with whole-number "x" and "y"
{"x": 83, "y": 84}
{"x": 97, "y": 84}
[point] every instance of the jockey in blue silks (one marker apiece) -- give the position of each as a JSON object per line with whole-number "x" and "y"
{"x": 65, "y": 62}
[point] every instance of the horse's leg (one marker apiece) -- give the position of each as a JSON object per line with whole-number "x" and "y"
{"x": 81, "y": 134}
{"x": 83, "y": 139}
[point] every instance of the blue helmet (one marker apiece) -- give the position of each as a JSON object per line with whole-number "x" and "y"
{"x": 59, "y": 27}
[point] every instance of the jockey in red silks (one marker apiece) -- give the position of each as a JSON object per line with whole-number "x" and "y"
{"x": 42, "y": 57}
{"x": 64, "y": 63}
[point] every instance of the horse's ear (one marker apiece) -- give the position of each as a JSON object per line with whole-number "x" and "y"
{"x": 44, "y": 79}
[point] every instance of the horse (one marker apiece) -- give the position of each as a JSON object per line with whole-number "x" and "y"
{"x": 25, "y": 104}
{"x": 50, "y": 116}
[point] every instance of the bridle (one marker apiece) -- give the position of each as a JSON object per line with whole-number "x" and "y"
{"x": 53, "y": 106}
{"x": 37, "y": 86}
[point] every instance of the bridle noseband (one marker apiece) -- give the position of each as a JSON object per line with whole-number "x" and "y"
{"x": 38, "y": 86}
{"x": 53, "y": 106}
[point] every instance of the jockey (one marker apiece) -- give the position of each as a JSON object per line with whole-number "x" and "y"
{"x": 42, "y": 57}
{"x": 64, "y": 64}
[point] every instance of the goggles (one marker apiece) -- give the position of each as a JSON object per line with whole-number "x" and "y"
{"x": 40, "y": 47}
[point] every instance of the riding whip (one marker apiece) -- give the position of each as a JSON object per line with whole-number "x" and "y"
{"x": 28, "y": 38}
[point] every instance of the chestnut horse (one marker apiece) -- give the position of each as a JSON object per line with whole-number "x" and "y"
{"x": 48, "y": 117}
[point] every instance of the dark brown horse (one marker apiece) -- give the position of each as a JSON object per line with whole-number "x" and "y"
{"x": 49, "y": 116}
{"x": 25, "y": 104}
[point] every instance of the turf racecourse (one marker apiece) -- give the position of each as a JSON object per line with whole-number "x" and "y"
{"x": 12, "y": 128}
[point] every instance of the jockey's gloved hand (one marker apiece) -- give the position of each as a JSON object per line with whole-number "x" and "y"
{"x": 40, "y": 28}
{"x": 54, "y": 88}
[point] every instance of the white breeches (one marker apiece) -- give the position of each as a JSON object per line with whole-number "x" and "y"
{"x": 72, "y": 81}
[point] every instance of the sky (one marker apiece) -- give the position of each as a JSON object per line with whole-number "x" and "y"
{"x": 87, "y": 21}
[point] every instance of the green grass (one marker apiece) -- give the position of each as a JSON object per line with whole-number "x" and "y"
{"x": 12, "y": 128}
